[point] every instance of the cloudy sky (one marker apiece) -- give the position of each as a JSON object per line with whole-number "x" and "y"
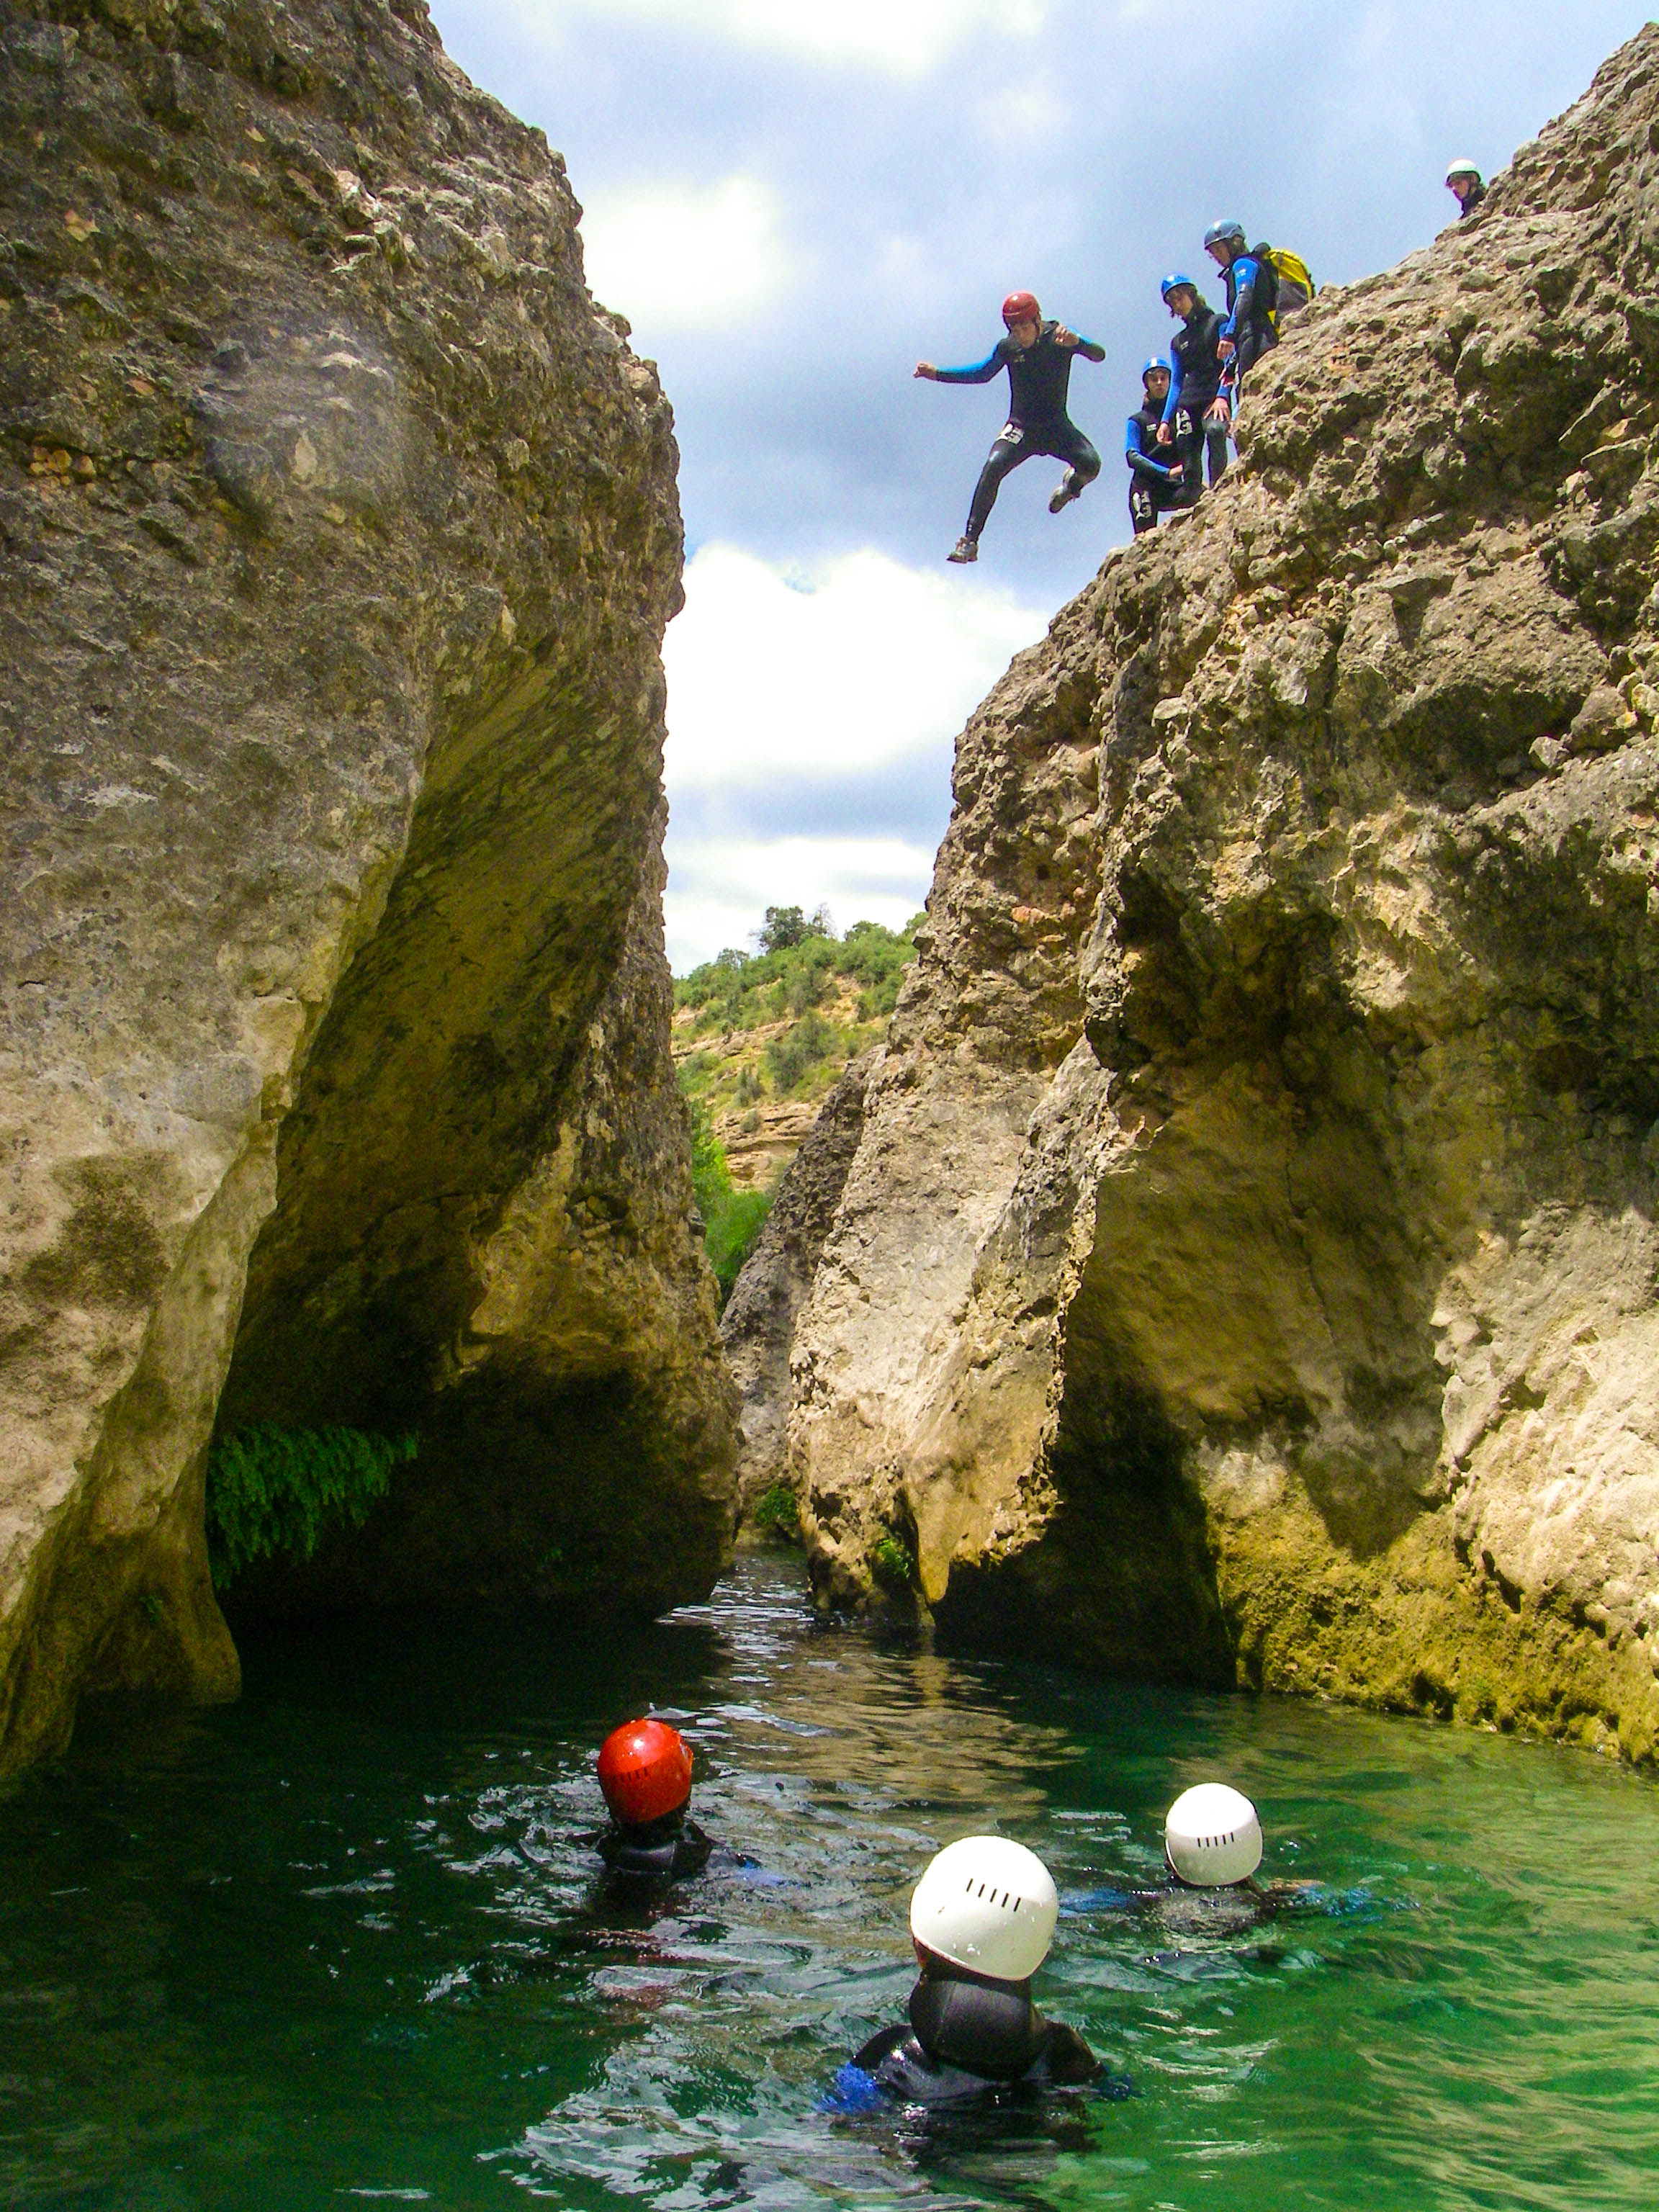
{"x": 794, "y": 200}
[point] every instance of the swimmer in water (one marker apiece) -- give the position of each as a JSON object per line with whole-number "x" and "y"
{"x": 1211, "y": 1851}
{"x": 645, "y": 1772}
{"x": 982, "y": 1919}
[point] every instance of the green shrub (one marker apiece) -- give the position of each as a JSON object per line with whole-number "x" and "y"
{"x": 792, "y": 1057}
{"x": 735, "y": 990}
{"x": 777, "y": 1513}
{"x": 273, "y": 1490}
{"x": 711, "y": 1179}
{"x": 733, "y": 1228}
{"x": 732, "y": 1218}
{"x": 890, "y": 1562}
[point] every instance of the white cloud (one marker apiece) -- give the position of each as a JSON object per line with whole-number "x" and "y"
{"x": 822, "y": 674}
{"x": 830, "y": 696}
{"x": 678, "y": 256}
{"x": 718, "y": 888}
{"x": 906, "y": 36}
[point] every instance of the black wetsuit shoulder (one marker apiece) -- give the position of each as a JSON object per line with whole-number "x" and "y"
{"x": 1040, "y": 376}
{"x": 1194, "y": 344}
{"x": 967, "y": 2034}
{"x": 666, "y": 1849}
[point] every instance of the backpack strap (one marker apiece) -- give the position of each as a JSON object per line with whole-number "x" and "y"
{"x": 1266, "y": 282}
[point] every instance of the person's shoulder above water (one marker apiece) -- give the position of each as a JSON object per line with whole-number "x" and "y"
{"x": 981, "y": 1920}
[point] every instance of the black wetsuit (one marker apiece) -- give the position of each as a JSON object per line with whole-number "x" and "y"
{"x": 660, "y": 1850}
{"x": 1152, "y": 489}
{"x": 967, "y": 2033}
{"x": 1194, "y": 381}
{"x": 1038, "y": 376}
{"x": 1248, "y": 323}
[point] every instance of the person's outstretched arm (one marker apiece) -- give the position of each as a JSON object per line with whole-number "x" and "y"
{"x": 980, "y": 371}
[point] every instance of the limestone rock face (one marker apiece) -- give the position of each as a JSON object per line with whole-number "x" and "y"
{"x": 339, "y": 532}
{"x": 1248, "y": 1271}
{"x": 758, "y": 1325}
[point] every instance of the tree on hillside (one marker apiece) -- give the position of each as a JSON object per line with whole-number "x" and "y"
{"x": 786, "y": 925}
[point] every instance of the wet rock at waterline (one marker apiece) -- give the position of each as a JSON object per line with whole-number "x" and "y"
{"x": 1248, "y": 1269}
{"x": 339, "y": 531}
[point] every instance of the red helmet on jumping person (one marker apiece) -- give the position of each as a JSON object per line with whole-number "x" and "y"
{"x": 645, "y": 1771}
{"x": 1021, "y": 308}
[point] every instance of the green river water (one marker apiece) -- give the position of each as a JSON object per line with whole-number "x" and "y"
{"x": 343, "y": 1943}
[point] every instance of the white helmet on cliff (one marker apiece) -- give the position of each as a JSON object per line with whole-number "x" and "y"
{"x": 1462, "y": 167}
{"x": 1211, "y": 1837}
{"x": 989, "y": 1905}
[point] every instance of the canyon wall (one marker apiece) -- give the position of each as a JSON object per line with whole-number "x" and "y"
{"x": 1248, "y": 1270}
{"x": 339, "y": 531}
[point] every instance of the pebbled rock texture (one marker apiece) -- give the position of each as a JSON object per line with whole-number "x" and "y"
{"x": 758, "y": 1325}
{"x": 1248, "y": 1271}
{"x": 339, "y": 531}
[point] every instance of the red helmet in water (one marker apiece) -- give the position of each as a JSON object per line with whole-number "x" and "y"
{"x": 1021, "y": 308}
{"x": 645, "y": 1771}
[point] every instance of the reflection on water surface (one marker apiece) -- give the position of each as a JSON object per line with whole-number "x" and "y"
{"x": 341, "y": 1942}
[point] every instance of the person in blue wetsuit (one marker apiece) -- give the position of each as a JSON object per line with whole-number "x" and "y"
{"x": 1192, "y": 421}
{"x": 1156, "y": 479}
{"x": 982, "y": 1919}
{"x": 1037, "y": 356}
{"x": 1252, "y": 290}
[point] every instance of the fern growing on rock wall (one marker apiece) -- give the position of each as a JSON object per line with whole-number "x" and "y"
{"x": 276, "y": 1491}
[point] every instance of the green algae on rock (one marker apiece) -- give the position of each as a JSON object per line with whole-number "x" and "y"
{"x": 1248, "y": 1271}
{"x": 339, "y": 533}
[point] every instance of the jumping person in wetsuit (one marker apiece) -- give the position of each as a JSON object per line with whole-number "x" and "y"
{"x": 1037, "y": 356}
{"x": 982, "y": 1919}
{"x": 644, "y": 1771}
{"x": 1156, "y": 478}
{"x": 1247, "y": 331}
{"x": 1188, "y": 424}
{"x": 1463, "y": 183}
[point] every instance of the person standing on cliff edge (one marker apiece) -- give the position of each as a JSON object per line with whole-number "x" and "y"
{"x": 1037, "y": 356}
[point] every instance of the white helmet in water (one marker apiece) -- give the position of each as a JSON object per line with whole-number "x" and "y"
{"x": 1211, "y": 1837}
{"x": 989, "y": 1905}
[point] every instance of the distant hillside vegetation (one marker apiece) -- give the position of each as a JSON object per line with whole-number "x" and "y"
{"x": 758, "y": 1038}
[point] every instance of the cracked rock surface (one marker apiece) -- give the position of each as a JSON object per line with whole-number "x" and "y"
{"x": 1248, "y": 1269}
{"x": 339, "y": 530}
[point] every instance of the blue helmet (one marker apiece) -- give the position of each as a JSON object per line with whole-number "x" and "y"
{"x": 1229, "y": 232}
{"x": 1156, "y": 367}
{"x": 1174, "y": 282}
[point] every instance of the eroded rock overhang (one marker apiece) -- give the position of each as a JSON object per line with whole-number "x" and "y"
{"x": 339, "y": 530}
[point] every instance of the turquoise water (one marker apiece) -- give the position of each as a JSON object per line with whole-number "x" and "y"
{"x": 341, "y": 1942}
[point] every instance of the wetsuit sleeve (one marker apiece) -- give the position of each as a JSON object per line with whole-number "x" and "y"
{"x": 691, "y": 1851}
{"x": 1243, "y": 296}
{"x": 1175, "y": 381}
{"x": 1140, "y": 461}
{"x": 1070, "y": 2061}
{"x": 980, "y": 371}
{"x": 870, "y": 2055}
{"x": 1088, "y": 349}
